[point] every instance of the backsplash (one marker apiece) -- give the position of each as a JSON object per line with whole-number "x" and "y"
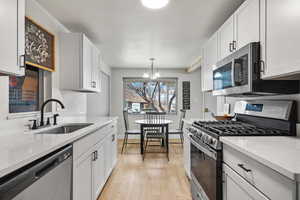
{"x": 232, "y": 100}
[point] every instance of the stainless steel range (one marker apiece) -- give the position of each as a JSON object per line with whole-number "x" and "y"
{"x": 253, "y": 118}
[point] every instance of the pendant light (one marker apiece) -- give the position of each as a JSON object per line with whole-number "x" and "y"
{"x": 152, "y": 75}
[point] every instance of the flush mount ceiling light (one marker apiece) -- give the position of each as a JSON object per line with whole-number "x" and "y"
{"x": 155, "y": 4}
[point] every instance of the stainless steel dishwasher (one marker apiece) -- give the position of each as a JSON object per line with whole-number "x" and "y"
{"x": 49, "y": 178}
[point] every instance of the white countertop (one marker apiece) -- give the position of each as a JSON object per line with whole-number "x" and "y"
{"x": 281, "y": 154}
{"x": 19, "y": 149}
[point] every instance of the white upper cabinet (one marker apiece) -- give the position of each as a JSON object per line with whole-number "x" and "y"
{"x": 280, "y": 42}
{"x": 87, "y": 63}
{"x": 80, "y": 63}
{"x": 210, "y": 58}
{"x": 226, "y": 38}
{"x": 246, "y": 24}
{"x": 12, "y": 48}
{"x": 240, "y": 29}
{"x": 96, "y": 70}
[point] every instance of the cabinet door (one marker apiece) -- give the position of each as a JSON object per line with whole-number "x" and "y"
{"x": 247, "y": 23}
{"x": 210, "y": 56}
{"x": 186, "y": 155}
{"x": 226, "y": 38}
{"x": 108, "y": 155}
{"x": 99, "y": 170}
{"x": 114, "y": 147}
{"x": 12, "y": 21}
{"x": 280, "y": 32}
{"x": 96, "y": 70}
{"x": 87, "y": 63}
{"x": 236, "y": 188}
{"x": 83, "y": 181}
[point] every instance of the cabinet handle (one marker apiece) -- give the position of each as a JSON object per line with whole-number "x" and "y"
{"x": 230, "y": 46}
{"x": 95, "y": 156}
{"x": 262, "y": 67}
{"x": 22, "y": 61}
{"x": 234, "y": 45}
{"x": 93, "y": 84}
{"x": 113, "y": 137}
{"x": 244, "y": 168}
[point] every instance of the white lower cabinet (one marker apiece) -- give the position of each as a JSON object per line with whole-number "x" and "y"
{"x": 237, "y": 188}
{"x": 94, "y": 158}
{"x": 99, "y": 176}
{"x": 186, "y": 154}
{"x": 82, "y": 178}
{"x": 108, "y": 155}
{"x": 245, "y": 178}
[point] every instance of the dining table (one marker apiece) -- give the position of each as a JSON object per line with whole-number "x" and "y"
{"x": 146, "y": 123}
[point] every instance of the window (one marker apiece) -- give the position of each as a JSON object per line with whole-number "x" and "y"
{"x": 141, "y": 95}
{"x": 26, "y": 92}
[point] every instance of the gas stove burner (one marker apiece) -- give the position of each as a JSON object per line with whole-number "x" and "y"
{"x": 234, "y": 128}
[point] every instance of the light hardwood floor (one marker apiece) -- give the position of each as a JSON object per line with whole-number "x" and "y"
{"x": 153, "y": 179}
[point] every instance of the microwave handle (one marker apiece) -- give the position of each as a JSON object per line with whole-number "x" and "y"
{"x": 232, "y": 73}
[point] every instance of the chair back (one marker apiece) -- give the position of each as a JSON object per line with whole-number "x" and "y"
{"x": 155, "y": 117}
{"x": 126, "y": 122}
{"x": 182, "y": 116}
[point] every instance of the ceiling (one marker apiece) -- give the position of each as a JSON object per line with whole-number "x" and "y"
{"x": 128, "y": 34}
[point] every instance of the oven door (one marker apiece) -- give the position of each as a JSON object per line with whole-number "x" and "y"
{"x": 206, "y": 172}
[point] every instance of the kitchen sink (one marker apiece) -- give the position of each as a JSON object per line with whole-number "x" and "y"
{"x": 66, "y": 129}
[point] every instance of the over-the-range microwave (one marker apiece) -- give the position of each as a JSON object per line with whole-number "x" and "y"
{"x": 239, "y": 75}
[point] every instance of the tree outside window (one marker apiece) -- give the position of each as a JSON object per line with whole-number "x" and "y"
{"x": 142, "y": 95}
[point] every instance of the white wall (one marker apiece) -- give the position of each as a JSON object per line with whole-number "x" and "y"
{"x": 117, "y": 93}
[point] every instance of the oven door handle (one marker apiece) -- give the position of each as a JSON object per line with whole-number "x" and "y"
{"x": 205, "y": 150}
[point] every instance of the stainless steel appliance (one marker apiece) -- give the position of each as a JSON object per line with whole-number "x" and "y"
{"x": 253, "y": 118}
{"x": 239, "y": 75}
{"x": 47, "y": 178}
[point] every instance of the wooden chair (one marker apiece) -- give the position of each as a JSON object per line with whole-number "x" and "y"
{"x": 179, "y": 130}
{"x": 155, "y": 133}
{"x": 128, "y": 131}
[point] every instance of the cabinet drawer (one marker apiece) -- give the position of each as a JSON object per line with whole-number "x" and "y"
{"x": 268, "y": 181}
{"x": 83, "y": 145}
{"x": 237, "y": 188}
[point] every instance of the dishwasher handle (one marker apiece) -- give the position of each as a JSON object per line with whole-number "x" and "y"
{"x": 13, "y": 184}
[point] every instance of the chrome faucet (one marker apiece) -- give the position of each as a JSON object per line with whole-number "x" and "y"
{"x": 42, "y": 123}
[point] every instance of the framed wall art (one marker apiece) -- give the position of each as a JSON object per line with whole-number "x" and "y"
{"x": 39, "y": 46}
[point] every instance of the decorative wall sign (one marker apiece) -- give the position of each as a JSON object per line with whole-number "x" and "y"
{"x": 39, "y": 46}
{"x": 186, "y": 95}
